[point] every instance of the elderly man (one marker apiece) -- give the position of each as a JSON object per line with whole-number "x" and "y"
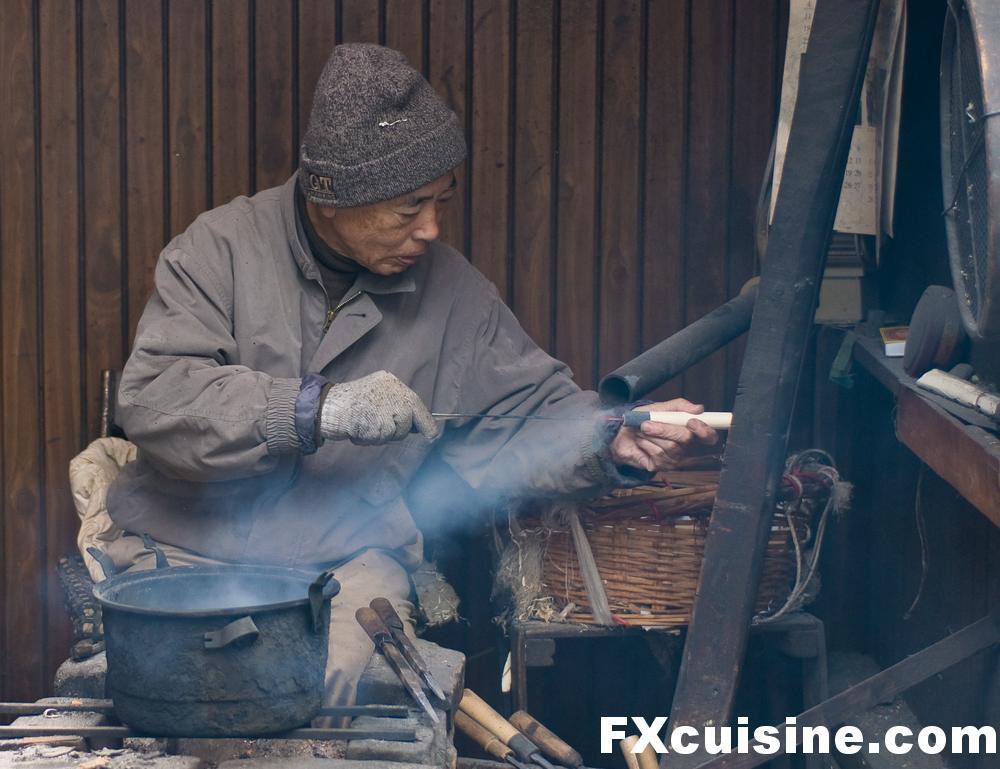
{"x": 284, "y": 371}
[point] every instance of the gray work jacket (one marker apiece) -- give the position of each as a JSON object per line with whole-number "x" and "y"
{"x": 239, "y": 315}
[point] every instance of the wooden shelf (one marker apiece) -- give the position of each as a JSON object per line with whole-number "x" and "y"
{"x": 966, "y": 456}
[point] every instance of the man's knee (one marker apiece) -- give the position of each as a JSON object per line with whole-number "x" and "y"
{"x": 372, "y": 574}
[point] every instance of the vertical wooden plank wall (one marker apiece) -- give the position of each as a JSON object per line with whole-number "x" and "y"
{"x": 615, "y": 150}
{"x": 24, "y": 618}
{"x": 59, "y": 246}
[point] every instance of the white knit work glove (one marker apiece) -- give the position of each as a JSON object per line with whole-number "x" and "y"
{"x": 373, "y": 410}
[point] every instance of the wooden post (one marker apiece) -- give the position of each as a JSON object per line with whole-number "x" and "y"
{"x": 830, "y": 83}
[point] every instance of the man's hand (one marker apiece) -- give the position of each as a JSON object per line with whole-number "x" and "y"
{"x": 372, "y": 410}
{"x": 656, "y": 446}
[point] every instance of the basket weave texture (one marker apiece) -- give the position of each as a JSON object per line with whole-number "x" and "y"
{"x": 648, "y": 543}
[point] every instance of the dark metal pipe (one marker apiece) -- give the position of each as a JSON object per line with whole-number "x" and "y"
{"x": 679, "y": 352}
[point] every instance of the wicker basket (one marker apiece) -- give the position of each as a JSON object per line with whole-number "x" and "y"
{"x": 648, "y": 543}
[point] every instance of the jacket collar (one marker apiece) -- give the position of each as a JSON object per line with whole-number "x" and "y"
{"x": 368, "y": 282}
{"x": 371, "y": 283}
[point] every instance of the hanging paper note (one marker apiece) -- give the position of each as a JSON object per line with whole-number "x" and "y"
{"x": 858, "y": 208}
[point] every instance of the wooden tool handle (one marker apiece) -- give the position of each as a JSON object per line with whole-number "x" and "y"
{"x": 645, "y": 760}
{"x": 717, "y": 420}
{"x": 477, "y": 709}
{"x": 373, "y": 625}
{"x": 963, "y": 392}
{"x": 648, "y": 759}
{"x": 546, "y": 740}
{"x": 482, "y": 736}
{"x": 631, "y": 759}
{"x": 388, "y": 614}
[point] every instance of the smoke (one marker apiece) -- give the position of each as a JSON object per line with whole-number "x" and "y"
{"x": 489, "y": 466}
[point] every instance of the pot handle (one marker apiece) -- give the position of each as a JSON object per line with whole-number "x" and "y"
{"x": 161, "y": 557}
{"x": 322, "y": 589}
{"x": 237, "y": 630}
{"x": 107, "y": 565}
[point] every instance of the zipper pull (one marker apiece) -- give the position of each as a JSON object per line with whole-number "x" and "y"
{"x": 331, "y": 314}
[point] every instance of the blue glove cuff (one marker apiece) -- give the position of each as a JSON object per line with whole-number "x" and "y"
{"x": 307, "y": 406}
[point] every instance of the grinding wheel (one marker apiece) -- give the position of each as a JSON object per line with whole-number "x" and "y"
{"x": 936, "y": 337}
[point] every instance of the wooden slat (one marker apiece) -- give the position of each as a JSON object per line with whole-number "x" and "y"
{"x": 880, "y": 688}
{"x": 666, "y": 137}
{"x": 317, "y": 38}
{"x": 145, "y": 201}
{"x": 404, "y": 30}
{"x": 532, "y": 247}
{"x": 490, "y": 160}
{"x": 576, "y": 251}
{"x": 230, "y": 100}
{"x": 276, "y": 149}
{"x": 754, "y": 108}
{"x": 967, "y": 457}
{"x": 102, "y": 203}
{"x": 993, "y": 597}
{"x": 361, "y": 21}
{"x": 22, "y": 653}
{"x": 60, "y": 282}
{"x": 187, "y": 113}
{"x": 447, "y": 72}
{"x": 620, "y": 299}
{"x": 708, "y": 183}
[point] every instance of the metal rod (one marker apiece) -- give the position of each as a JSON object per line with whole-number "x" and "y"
{"x": 38, "y": 708}
{"x": 521, "y": 417}
{"x": 106, "y": 706}
{"x": 400, "y": 734}
{"x": 380, "y": 711}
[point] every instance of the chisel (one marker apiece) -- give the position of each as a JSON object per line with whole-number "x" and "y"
{"x": 382, "y": 638}
{"x": 547, "y": 741}
{"x": 717, "y": 420}
{"x": 485, "y": 739}
{"x": 477, "y": 709}
{"x": 394, "y": 622}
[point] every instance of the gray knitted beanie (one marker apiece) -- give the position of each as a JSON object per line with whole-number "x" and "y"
{"x": 377, "y": 130}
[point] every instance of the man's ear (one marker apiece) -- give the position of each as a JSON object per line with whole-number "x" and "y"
{"x": 326, "y": 212}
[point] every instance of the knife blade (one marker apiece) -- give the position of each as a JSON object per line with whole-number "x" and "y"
{"x": 382, "y": 638}
{"x": 394, "y": 622}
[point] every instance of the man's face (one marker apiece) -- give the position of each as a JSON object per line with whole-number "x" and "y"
{"x": 390, "y": 237}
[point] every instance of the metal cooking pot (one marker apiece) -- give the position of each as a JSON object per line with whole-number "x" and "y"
{"x": 212, "y": 651}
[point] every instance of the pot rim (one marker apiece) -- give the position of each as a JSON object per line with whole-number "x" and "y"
{"x": 102, "y": 588}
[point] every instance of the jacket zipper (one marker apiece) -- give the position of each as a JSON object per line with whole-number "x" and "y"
{"x": 331, "y": 314}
